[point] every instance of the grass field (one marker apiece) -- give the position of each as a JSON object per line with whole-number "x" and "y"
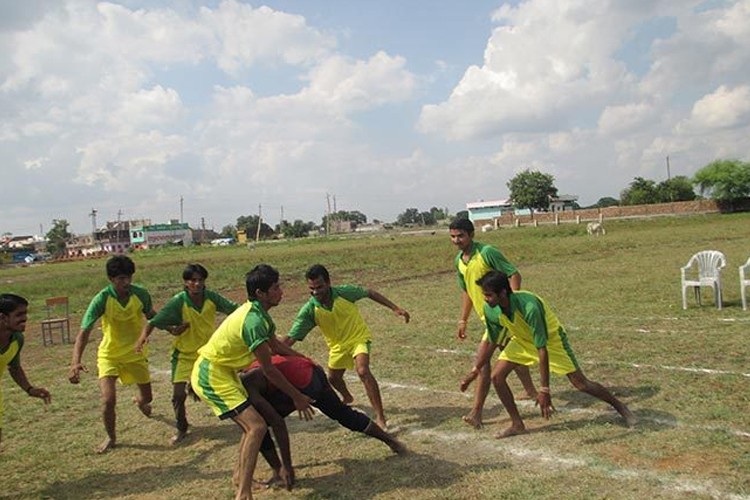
{"x": 685, "y": 374}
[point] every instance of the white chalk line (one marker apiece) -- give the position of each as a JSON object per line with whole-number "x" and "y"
{"x": 527, "y": 455}
{"x": 706, "y": 371}
{"x": 531, "y": 404}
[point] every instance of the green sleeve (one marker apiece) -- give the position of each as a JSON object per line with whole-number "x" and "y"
{"x": 461, "y": 280}
{"x": 492, "y": 322}
{"x": 16, "y": 361}
{"x": 533, "y": 314}
{"x": 170, "y": 314}
{"x": 95, "y": 310}
{"x": 304, "y": 322}
{"x": 145, "y": 298}
{"x": 497, "y": 261}
{"x": 352, "y": 293}
{"x": 223, "y": 305}
{"x": 256, "y": 330}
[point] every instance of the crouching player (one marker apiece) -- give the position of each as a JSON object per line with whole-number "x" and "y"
{"x": 246, "y": 334}
{"x": 274, "y": 405}
{"x": 536, "y": 336}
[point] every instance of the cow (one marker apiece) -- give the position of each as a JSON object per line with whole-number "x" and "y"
{"x": 595, "y": 228}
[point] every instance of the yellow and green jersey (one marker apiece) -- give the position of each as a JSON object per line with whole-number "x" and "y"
{"x": 181, "y": 309}
{"x": 122, "y": 321}
{"x": 341, "y": 324}
{"x": 483, "y": 259}
{"x": 531, "y": 323}
{"x": 233, "y": 343}
{"x": 11, "y": 355}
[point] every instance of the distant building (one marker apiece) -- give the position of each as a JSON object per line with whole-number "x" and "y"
{"x": 114, "y": 236}
{"x": 83, "y": 246}
{"x": 563, "y": 202}
{"x": 488, "y": 210}
{"x": 155, "y": 235}
{"x": 204, "y": 236}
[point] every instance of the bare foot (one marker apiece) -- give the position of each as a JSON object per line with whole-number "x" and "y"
{"x": 472, "y": 420}
{"x": 144, "y": 407}
{"x": 398, "y": 447}
{"x": 630, "y": 419}
{"x": 382, "y": 424}
{"x": 259, "y": 486}
{"x": 525, "y": 396}
{"x": 179, "y": 437}
{"x": 511, "y": 431}
{"x": 106, "y": 445}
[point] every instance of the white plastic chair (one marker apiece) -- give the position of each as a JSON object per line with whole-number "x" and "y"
{"x": 744, "y": 282}
{"x": 710, "y": 264}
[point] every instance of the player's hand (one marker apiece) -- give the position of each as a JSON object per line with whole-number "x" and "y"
{"x": 461, "y": 331}
{"x": 75, "y": 373}
{"x": 403, "y": 313}
{"x": 470, "y": 377}
{"x": 41, "y": 393}
{"x": 179, "y": 329}
{"x": 544, "y": 401}
{"x": 140, "y": 343}
{"x": 302, "y": 404}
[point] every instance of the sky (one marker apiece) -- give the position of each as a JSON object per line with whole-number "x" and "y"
{"x": 210, "y": 110}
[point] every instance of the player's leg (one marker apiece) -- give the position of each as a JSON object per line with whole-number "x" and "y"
{"x": 500, "y": 380}
{"x": 524, "y": 375}
{"x": 336, "y": 378}
{"x": 144, "y": 398}
{"x": 362, "y": 364}
{"x": 481, "y": 389}
{"x": 107, "y": 388}
{"x": 253, "y": 430}
{"x": 580, "y": 382}
{"x": 179, "y": 395}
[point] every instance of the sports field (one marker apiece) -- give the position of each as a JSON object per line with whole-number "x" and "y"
{"x": 685, "y": 374}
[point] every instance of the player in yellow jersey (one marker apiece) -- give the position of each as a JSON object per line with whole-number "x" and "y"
{"x": 334, "y": 310}
{"x": 122, "y": 307}
{"x": 191, "y": 317}
{"x": 536, "y": 336}
{"x": 247, "y": 334}
{"x": 13, "y": 310}
{"x": 473, "y": 261}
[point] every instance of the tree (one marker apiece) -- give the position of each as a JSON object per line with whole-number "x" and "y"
{"x": 678, "y": 188}
{"x": 58, "y": 236}
{"x": 439, "y": 213}
{"x": 228, "y": 231}
{"x": 640, "y": 192}
{"x": 532, "y": 189}
{"x": 298, "y": 229}
{"x": 724, "y": 179}
{"x": 409, "y": 216}
{"x": 427, "y": 219}
{"x": 355, "y": 217}
{"x": 249, "y": 224}
{"x": 462, "y": 214}
{"x": 604, "y": 202}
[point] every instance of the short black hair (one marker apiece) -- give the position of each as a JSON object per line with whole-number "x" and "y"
{"x": 9, "y": 302}
{"x": 462, "y": 225}
{"x": 120, "y": 265}
{"x": 496, "y": 281}
{"x": 192, "y": 269}
{"x": 261, "y": 277}
{"x": 318, "y": 271}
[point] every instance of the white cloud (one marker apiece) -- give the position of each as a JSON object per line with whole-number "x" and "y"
{"x": 724, "y": 108}
{"x": 625, "y": 118}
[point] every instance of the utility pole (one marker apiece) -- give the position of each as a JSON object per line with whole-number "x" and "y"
{"x": 260, "y": 221}
{"x": 93, "y": 221}
{"x": 203, "y": 229}
{"x": 281, "y": 221}
{"x": 181, "y": 206}
{"x": 669, "y": 176}
{"x": 328, "y": 214}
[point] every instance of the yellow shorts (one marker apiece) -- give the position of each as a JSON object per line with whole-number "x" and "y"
{"x": 524, "y": 352}
{"x": 130, "y": 370}
{"x": 220, "y": 387}
{"x": 182, "y": 365}
{"x": 341, "y": 357}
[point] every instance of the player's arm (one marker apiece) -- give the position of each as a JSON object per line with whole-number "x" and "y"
{"x": 304, "y": 322}
{"x": 282, "y": 348}
{"x": 301, "y": 402}
{"x": 534, "y": 316}
{"x": 484, "y": 354}
{"x": 463, "y": 319}
{"x": 75, "y": 364}
{"x": 384, "y": 301}
{"x": 19, "y": 377}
